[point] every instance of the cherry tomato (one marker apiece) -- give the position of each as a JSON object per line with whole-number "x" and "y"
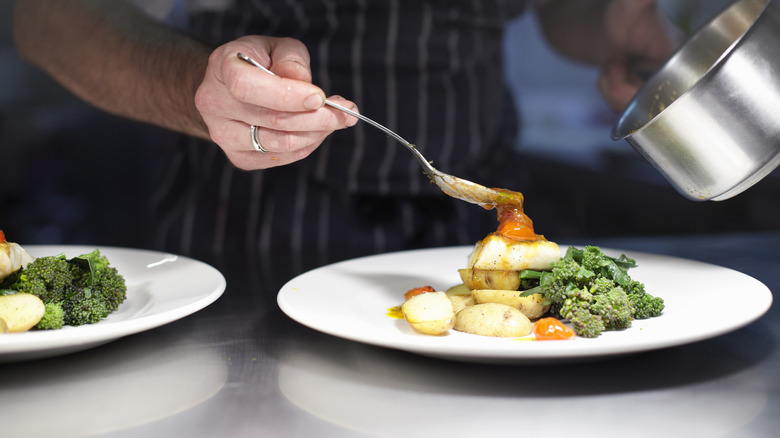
{"x": 514, "y": 224}
{"x": 516, "y": 230}
{"x": 418, "y": 290}
{"x": 550, "y": 329}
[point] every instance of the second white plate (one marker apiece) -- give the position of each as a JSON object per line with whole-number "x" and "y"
{"x": 161, "y": 288}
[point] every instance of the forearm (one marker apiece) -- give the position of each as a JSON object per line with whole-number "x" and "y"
{"x": 575, "y": 28}
{"x": 115, "y": 57}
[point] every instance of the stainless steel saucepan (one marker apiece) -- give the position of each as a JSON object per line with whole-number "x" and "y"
{"x": 709, "y": 119}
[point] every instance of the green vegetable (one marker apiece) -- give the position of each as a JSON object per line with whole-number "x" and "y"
{"x": 593, "y": 291}
{"x": 54, "y": 318}
{"x": 45, "y": 277}
{"x": 77, "y": 291}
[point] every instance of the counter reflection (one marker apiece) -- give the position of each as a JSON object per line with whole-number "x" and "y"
{"x": 386, "y": 393}
{"x": 133, "y": 381}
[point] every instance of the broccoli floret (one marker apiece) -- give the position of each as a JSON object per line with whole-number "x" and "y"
{"x": 577, "y": 310}
{"x": 584, "y": 323}
{"x": 98, "y": 290}
{"x": 565, "y": 270}
{"x": 84, "y": 307}
{"x": 565, "y": 279}
{"x": 77, "y": 291}
{"x": 54, "y": 318}
{"x": 614, "y": 308}
{"x": 111, "y": 286}
{"x": 48, "y": 278}
{"x": 593, "y": 259}
{"x": 646, "y": 305}
{"x": 593, "y": 291}
{"x": 602, "y": 285}
{"x": 635, "y": 287}
{"x": 575, "y": 299}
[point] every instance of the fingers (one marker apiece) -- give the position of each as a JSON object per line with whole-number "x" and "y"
{"x": 287, "y": 148}
{"x": 283, "y": 146}
{"x": 287, "y": 109}
{"x": 617, "y": 84}
{"x": 288, "y": 89}
{"x": 322, "y": 119}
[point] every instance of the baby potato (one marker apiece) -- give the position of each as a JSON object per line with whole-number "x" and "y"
{"x": 475, "y": 278}
{"x": 21, "y": 311}
{"x": 459, "y": 302}
{"x": 459, "y": 289}
{"x": 493, "y": 319}
{"x": 460, "y": 295}
{"x": 431, "y": 313}
{"x": 532, "y": 306}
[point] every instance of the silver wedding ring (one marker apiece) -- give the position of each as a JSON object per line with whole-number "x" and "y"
{"x": 256, "y": 144}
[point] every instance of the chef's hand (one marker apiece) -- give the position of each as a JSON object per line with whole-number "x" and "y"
{"x": 639, "y": 43}
{"x": 287, "y": 108}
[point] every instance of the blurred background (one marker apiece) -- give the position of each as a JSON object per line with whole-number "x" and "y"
{"x": 74, "y": 175}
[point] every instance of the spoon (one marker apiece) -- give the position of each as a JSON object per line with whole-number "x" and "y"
{"x": 458, "y": 188}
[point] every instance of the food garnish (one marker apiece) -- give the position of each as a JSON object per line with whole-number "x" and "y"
{"x": 593, "y": 291}
{"x": 417, "y": 291}
{"x": 517, "y": 271}
{"x": 76, "y": 291}
{"x": 552, "y": 329}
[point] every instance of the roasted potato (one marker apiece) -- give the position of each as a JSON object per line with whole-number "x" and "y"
{"x": 493, "y": 319}
{"x": 431, "y": 313}
{"x": 532, "y": 306}
{"x": 489, "y": 279}
{"x": 21, "y": 311}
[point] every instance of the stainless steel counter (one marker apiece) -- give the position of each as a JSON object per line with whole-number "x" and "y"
{"x": 241, "y": 368}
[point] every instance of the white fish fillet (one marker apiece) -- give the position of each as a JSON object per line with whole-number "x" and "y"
{"x": 496, "y": 252}
{"x": 12, "y": 258}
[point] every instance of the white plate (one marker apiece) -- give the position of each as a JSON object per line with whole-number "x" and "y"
{"x": 350, "y": 299}
{"x": 161, "y": 288}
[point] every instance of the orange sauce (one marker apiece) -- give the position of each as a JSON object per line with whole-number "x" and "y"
{"x": 395, "y": 312}
{"x": 513, "y": 223}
